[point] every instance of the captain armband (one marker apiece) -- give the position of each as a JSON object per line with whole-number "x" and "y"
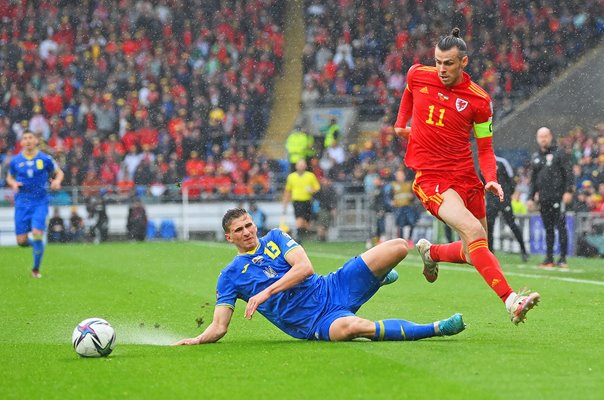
{"x": 484, "y": 129}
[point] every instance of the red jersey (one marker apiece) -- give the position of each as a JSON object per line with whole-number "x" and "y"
{"x": 442, "y": 119}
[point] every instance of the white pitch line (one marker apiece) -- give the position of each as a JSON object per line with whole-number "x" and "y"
{"x": 533, "y": 276}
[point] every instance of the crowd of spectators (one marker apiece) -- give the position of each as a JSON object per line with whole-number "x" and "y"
{"x": 152, "y": 97}
{"x": 129, "y": 93}
{"x": 360, "y": 51}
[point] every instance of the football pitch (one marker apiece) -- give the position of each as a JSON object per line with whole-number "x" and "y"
{"x": 156, "y": 293}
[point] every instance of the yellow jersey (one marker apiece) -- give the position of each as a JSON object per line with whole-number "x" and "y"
{"x": 302, "y": 186}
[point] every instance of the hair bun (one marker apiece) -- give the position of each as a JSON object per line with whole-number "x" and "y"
{"x": 455, "y": 32}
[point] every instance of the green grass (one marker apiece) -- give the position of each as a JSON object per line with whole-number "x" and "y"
{"x": 153, "y": 293}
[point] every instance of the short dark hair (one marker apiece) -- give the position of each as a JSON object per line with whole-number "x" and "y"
{"x": 453, "y": 40}
{"x": 230, "y": 215}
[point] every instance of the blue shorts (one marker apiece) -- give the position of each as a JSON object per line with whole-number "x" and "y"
{"x": 30, "y": 217}
{"x": 348, "y": 289}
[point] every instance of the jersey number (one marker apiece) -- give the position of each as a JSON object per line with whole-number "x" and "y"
{"x": 272, "y": 250}
{"x": 441, "y": 115}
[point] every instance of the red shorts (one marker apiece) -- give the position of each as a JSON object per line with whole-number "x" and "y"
{"x": 428, "y": 186}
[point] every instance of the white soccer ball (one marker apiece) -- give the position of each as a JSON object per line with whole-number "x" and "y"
{"x": 93, "y": 337}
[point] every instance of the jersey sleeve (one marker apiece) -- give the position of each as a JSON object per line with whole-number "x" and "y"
{"x": 483, "y": 119}
{"x": 283, "y": 241}
{"x": 51, "y": 165}
{"x": 226, "y": 293}
{"x": 405, "y": 109}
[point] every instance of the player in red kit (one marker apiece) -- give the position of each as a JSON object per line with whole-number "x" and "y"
{"x": 445, "y": 106}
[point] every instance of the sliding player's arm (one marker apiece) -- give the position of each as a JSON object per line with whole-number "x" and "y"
{"x": 215, "y": 331}
{"x": 301, "y": 268}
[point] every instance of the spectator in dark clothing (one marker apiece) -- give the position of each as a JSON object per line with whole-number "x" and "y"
{"x": 56, "y": 228}
{"x": 76, "y": 226}
{"x": 136, "y": 224}
{"x": 327, "y": 201}
{"x": 97, "y": 212}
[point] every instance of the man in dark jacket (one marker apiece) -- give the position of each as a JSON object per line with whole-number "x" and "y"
{"x": 505, "y": 177}
{"x": 136, "y": 223}
{"x": 552, "y": 187}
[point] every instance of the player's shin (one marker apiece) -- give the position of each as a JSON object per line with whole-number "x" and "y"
{"x": 488, "y": 267}
{"x": 400, "y": 329}
{"x": 38, "y": 251}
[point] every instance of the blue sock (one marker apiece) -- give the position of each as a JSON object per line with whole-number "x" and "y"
{"x": 38, "y": 250}
{"x": 399, "y": 329}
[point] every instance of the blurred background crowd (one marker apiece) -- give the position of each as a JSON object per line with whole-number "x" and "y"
{"x": 149, "y": 97}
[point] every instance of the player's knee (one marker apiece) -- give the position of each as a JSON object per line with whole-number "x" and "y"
{"x": 23, "y": 242}
{"x": 475, "y": 231}
{"x": 402, "y": 247}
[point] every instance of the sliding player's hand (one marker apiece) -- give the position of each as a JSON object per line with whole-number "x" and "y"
{"x": 254, "y": 302}
{"x": 186, "y": 342}
{"x": 494, "y": 188}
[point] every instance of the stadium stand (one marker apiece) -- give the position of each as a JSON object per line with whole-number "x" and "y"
{"x": 125, "y": 91}
{"x": 358, "y": 52}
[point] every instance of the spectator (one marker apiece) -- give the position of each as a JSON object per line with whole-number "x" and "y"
{"x": 259, "y": 218}
{"x": 136, "y": 223}
{"x": 299, "y": 146}
{"x": 76, "y": 226}
{"x": 327, "y": 201}
{"x": 402, "y": 201}
{"x": 56, "y": 227}
{"x": 99, "y": 221}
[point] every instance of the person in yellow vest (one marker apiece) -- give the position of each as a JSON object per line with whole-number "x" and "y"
{"x": 332, "y": 133}
{"x": 299, "y": 146}
{"x": 300, "y": 187}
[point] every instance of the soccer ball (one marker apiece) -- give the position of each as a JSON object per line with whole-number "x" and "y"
{"x": 93, "y": 337}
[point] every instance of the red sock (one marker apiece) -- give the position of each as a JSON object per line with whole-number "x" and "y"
{"x": 487, "y": 265}
{"x": 450, "y": 252}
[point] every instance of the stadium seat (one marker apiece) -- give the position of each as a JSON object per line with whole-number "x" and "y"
{"x": 167, "y": 229}
{"x": 151, "y": 230}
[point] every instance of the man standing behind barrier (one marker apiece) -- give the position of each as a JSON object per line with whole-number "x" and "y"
{"x": 505, "y": 177}
{"x": 552, "y": 187}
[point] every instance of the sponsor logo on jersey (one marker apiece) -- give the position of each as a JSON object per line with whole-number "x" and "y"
{"x": 461, "y": 104}
{"x": 258, "y": 260}
{"x": 442, "y": 97}
{"x": 424, "y": 90}
{"x": 39, "y": 164}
